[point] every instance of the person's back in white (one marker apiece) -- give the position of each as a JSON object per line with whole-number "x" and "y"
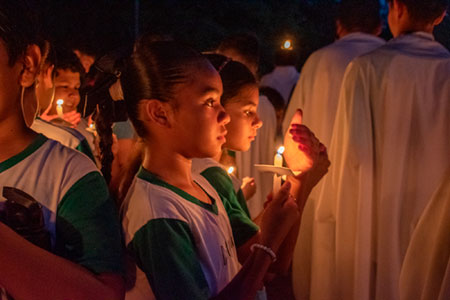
{"x": 282, "y": 79}
{"x": 317, "y": 94}
{"x": 426, "y": 269}
{"x": 390, "y": 152}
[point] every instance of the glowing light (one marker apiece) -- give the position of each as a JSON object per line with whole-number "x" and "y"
{"x": 280, "y": 150}
{"x": 230, "y": 170}
{"x": 287, "y": 44}
{"x": 59, "y": 109}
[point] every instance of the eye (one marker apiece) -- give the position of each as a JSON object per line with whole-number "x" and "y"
{"x": 210, "y": 102}
{"x": 249, "y": 113}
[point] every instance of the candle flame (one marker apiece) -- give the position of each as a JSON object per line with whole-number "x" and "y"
{"x": 280, "y": 150}
{"x": 60, "y": 102}
{"x": 230, "y": 170}
{"x": 287, "y": 44}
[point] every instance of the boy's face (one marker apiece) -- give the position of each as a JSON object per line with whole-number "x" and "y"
{"x": 199, "y": 119}
{"x": 67, "y": 87}
{"x": 244, "y": 119}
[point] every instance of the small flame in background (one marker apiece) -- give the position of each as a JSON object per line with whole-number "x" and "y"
{"x": 280, "y": 150}
{"x": 230, "y": 170}
{"x": 60, "y": 102}
{"x": 287, "y": 45}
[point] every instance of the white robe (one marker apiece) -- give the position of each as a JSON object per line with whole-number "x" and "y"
{"x": 262, "y": 151}
{"x": 426, "y": 269}
{"x": 390, "y": 150}
{"x": 282, "y": 79}
{"x": 317, "y": 94}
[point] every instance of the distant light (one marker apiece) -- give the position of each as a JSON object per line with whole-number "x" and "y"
{"x": 280, "y": 150}
{"x": 287, "y": 45}
{"x": 60, "y": 102}
{"x": 230, "y": 170}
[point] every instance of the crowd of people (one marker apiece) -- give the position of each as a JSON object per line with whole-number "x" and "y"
{"x": 144, "y": 186}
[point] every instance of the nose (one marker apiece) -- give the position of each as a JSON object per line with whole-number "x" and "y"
{"x": 223, "y": 117}
{"x": 257, "y": 123}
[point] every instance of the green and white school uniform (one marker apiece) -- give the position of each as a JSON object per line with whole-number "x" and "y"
{"x": 67, "y": 136}
{"x": 78, "y": 212}
{"x": 184, "y": 246}
{"x": 227, "y": 186}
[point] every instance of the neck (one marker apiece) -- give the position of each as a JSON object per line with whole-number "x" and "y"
{"x": 15, "y": 136}
{"x": 410, "y": 29}
{"x": 167, "y": 164}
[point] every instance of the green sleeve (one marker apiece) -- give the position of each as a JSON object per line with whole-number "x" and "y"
{"x": 84, "y": 147}
{"x": 242, "y": 226}
{"x": 87, "y": 226}
{"x": 243, "y": 202}
{"x": 164, "y": 249}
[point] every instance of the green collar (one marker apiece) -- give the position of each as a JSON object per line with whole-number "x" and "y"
{"x": 154, "y": 179}
{"x": 12, "y": 161}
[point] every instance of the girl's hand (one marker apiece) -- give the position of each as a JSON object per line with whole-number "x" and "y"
{"x": 305, "y": 153}
{"x": 278, "y": 217}
{"x": 248, "y": 187}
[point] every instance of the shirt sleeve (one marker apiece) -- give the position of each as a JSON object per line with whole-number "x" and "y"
{"x": 87, "y": 226}
{"x": 242, "y": 226}
{"x": 165, "y": 250}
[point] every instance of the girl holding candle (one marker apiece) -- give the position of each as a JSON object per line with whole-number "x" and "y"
{"x": 240, "y": 101}
{"x": 176, "y": 225}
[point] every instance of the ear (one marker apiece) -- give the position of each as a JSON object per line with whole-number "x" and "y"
{"x": 31, "y": 65}
{"x": 401, "y": 8}
{"x": 440, "y": 19}
{"x": 157, "y": 112}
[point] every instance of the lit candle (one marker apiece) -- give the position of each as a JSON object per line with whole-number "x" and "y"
{"x": 287, "y": 45}
{"x": 230, "y": 170}
{"x": 59, "y": 109}
{"x": 278, "y": 162}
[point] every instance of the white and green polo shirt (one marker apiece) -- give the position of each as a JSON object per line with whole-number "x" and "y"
{"x": 67, "y": 136}
{"x": 78, "y": 212}
{"x": 184, "y": 246}
{"x": 235, "y": 203}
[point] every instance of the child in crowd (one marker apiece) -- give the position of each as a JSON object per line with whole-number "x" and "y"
{"x": 63, "y": 86}
{"x": 244, "y": 48}
{"x": 177, "y": 227}
{"x": 83, "y": 257}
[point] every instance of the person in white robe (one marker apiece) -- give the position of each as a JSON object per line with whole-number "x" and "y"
{"x": 390, "y": 149}
{"x": 317, "y": 92}
{"x": 285, "y": 75}
{"x": 426, "y": 269}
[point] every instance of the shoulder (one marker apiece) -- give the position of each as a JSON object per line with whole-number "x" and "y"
{"x": 145, "y": 202}
{"x": 67, "y": 136}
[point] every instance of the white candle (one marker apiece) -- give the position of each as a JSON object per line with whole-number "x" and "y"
{"x": 59, "y": 109}
{"x": 278, "y": 162}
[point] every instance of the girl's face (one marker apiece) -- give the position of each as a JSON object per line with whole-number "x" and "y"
{"x": 199, "y": 119}
{"x": 244, "y": 119}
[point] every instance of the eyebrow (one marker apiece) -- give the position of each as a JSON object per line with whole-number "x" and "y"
{"x": 210, "y": 90}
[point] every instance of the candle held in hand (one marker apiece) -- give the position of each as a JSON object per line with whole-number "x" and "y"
{"x": 278, "y": 162}
{"x": 59, "y": 109}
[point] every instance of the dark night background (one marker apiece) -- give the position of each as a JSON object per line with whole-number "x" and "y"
{"x": 99, "y": 26}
